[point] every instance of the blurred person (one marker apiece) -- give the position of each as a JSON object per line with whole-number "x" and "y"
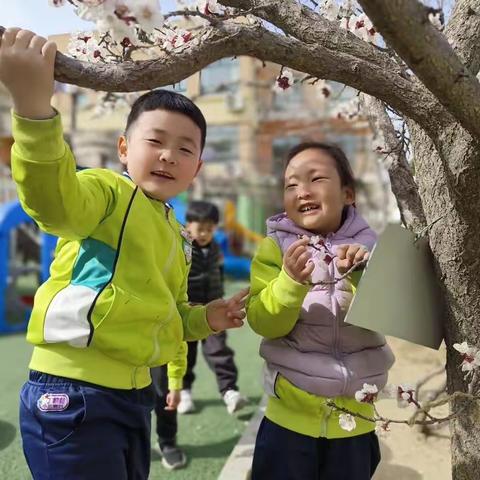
{"x": 205, "y": 283}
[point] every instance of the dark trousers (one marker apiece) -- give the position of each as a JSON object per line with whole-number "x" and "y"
{"x": 79, "y": 431}
{"x": 219, "y": 357}
{"x": 282, "y": 454}
{"x": 166, "y": 419}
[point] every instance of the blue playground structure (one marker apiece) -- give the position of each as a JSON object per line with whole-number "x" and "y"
{"x": 15, "y": 307}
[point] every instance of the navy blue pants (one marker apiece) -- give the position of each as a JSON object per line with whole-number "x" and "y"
{"x": 79, "y": 431}
{"x": 281, "y": 454}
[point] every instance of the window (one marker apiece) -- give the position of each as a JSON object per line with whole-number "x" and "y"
{"x": 348, "y": 143}
{"x": 280, "y": 148}
{"x": 221, "y": 76}
{"x": 222, "y": 144}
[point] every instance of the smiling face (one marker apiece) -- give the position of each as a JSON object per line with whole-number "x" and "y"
{"x": 314, "y": 197}
{"x": 161, "y": 153}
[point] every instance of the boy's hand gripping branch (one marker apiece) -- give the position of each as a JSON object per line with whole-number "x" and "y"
{"x": 26, "y": 69}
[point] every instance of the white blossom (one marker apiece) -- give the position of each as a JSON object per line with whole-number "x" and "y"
{"x": 323, "y": 89}
{"x": 361, "y": 26}
{"x": 347, "y": 422}
{"x": 368, "y": 393}
{"x": 470, "y": 356}
{"x": 349, "y": 111}
{"x": 177, "y": 38}
{"x": 148, "y": 15}
{"x": 210, "y": 7}
{"x": 405, "y": 395}
{"x": 284, "y": 81}
{"x": 436, "y": 19}
{"x": 330, "y": 9}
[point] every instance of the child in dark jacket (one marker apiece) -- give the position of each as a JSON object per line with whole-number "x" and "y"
{"x": 205, "y": 283}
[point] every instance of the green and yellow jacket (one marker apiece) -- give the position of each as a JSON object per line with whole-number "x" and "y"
{"x": 116, "y": 301}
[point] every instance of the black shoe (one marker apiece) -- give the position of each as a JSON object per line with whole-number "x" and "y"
{"x": 172, "y": 457}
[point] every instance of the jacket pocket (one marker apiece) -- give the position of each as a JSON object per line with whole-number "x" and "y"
{"x": 126, "y": 327}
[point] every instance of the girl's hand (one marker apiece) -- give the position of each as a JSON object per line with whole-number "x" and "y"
{"x": 349, "y": 255}
{"x": 173, "y": 399}
{"x": 296, "y": 261}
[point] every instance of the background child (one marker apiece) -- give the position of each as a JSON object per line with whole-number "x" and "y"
{"x": 116, "y": 301}
{"x": 168, "y": 380}
{"x": 310, "y": 354}
{"x": 205, "y": 283}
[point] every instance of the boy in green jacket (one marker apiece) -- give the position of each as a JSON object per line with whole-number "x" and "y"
{"x": 116, "y": 302}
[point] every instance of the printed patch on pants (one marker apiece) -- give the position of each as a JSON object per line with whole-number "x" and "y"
{"x": 53, "y": 402}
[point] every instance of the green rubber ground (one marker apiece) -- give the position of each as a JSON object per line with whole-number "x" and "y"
{"x": 207, "y": 436}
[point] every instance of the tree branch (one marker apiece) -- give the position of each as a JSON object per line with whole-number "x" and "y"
{"x": 463, "y": 31}
{"x": 401, "y": 179}
{"x": 232, "y": 39}
{"x": 405, "y": 26}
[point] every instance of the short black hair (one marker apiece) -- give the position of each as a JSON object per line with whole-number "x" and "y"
{"x": 335, "y": 152}
{"x": 201, "y": 211}
{"x": 161, "y": 99}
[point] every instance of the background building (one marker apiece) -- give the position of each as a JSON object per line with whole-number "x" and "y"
{"x": 250, "y": 129}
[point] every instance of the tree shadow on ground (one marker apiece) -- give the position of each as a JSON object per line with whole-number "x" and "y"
{"x": 7, "y": 434}
{"x": 212, "y": 450}
{"x": 389, "y": 471}
{"x": 203, "y": 403}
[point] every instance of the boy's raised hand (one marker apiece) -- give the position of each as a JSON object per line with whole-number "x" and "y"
{"x": 223, "y": 314}
{"x": 296, "y": 261}
{"x": 349, "y": 255}
{"x": 26, "y": 69}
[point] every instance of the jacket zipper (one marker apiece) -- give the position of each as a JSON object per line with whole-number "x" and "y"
{"x": 166, "y": 268}
{"x": 336, "y": 328}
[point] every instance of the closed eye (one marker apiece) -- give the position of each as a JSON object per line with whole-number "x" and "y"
{"x": 315, "y": 179}
{"x": 183, "y": 149}
{"x": 154, "y": 140}
{"x": 289, "y": 186}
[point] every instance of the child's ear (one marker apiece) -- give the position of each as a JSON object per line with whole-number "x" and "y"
{"x": 349, "y": 195}
{"x": 199, "y": 166}
{"x": 122, "y": 149}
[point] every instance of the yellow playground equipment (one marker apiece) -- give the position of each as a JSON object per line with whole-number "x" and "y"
{"x": 232, "y": 226}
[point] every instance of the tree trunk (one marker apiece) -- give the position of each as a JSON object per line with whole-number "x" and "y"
{"x": 449, "y": 189}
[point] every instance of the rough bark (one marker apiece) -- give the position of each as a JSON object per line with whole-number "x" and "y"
{"x": 463, "y": 30}
{"x": 401, "y": 178}
{"x": 448, "y": 185}
{"x": 405, "y": 26}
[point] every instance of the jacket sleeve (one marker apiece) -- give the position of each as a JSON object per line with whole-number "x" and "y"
{"x": 62, "y": 202}
{"x": 194, "y": 317}
{"x": 275, "y": 299}
{"x": 177, "y": 367}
